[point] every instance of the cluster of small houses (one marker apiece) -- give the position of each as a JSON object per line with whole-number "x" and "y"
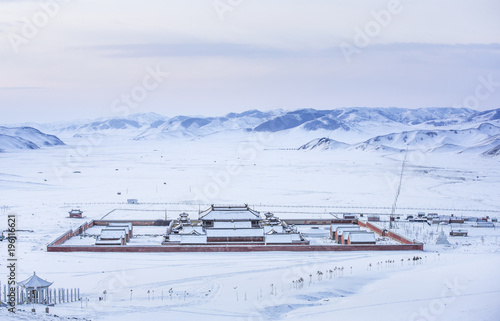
{"x": 434, "y": 218}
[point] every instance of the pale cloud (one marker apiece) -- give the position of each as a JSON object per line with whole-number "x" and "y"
{"x": 264, "y": 54}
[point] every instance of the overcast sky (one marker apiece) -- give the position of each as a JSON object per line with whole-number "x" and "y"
{"x": 94, "y": 58}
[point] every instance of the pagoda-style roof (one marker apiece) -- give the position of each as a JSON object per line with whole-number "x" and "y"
{"x": 230, "y": 213}
{"x": 34, "y": 282}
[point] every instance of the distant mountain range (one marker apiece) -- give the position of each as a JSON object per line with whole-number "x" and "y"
{"x": 390, "y": 129}
{"x": 25, "y": 138}
{"x": 153, "y": 126}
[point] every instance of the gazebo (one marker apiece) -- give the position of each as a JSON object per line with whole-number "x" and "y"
{"x": 37, "y": 290}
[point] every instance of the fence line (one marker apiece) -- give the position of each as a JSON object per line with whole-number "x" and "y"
{"x": 296, "y": 206}
{"x": 42, "y": 296}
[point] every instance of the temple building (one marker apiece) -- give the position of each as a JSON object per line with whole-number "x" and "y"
{"x": 231, "y": 224}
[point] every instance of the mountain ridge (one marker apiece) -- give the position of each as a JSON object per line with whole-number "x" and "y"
{"x": 14, "y": 138}
{"x": 360, "y": 125}
{"x": 153, "y": 125}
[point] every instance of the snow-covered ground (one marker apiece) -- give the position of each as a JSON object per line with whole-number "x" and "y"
{"x": 457, "y": 282}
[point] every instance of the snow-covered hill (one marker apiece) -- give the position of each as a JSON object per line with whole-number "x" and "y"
{"x": 435, "y": 140}
{"x": 12, "y": 138}
{"x": 324, "y": 144}
{"x": 133, "y": 124}
{"x": 484, "y": 139}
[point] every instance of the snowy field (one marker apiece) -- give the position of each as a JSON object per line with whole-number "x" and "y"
{"x": 456, "y": 282}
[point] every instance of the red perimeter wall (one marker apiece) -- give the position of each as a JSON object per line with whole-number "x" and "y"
{"x": 236, "y": 248}
{"x": 392, "y": 235}
{"x": 69, "y": 234}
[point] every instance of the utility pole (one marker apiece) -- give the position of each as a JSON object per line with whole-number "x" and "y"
{"x": 393, "y": 210}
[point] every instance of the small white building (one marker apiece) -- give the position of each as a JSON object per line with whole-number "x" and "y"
{"x": 361, "y": 238}
{"x": 112, "y": 237}
{"x": 459, "y": 233}
{"x": 345, "y": 235}
{"x": 128, "y": 226}
{"x": 485, "y": 224}
{"x": 124, "y": 229}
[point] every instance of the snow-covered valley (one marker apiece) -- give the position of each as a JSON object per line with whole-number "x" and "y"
{"x": 98, "y": 173}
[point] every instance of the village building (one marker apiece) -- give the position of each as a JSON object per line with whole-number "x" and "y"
{"x": 441, "y": 219}
{"x": 75, "y": 214}
{"x": 485, "y": 224}
{"x": 456, "y": 220}
{"x": 432, "y": 216}
{"x": 459, "y": 233}
{"x": 373, "y": 218}
{"x": 232, "y": 224}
